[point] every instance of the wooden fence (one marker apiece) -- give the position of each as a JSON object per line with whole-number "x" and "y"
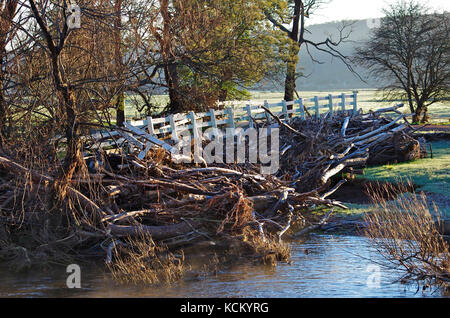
{"x": 154, "y": 130}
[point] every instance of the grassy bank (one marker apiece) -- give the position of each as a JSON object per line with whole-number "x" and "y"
{"x": 431, "y": 175}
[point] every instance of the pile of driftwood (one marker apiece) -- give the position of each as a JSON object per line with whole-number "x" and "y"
{"x": 313, "y": 151}
{"x": 123, "y": 196}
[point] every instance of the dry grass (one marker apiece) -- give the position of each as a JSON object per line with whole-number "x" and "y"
{"x": 270, "y": 251}
{"x": 141, "y": 261}
{"x": 405, "y": 233}
{"x": 267, "y": 250}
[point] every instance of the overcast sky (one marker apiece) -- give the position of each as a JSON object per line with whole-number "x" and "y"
{"x": 362, "y": 9}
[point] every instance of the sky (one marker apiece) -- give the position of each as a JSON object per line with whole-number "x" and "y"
{"x": 338, "y": 10}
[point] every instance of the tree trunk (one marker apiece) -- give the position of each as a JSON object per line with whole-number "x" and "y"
{"x": 171, "y": 75}
{"x": 120, "y": 103}
{"x": 167, "y": 43}
{"x": 294, "y": 35}
{"x": 411, "y": 103}
{"x": 425, "y": 117}
{"x": 73, "y": 155}
{"x": 418, "y": 113}
{"x": 120, "y": 109}
{"x": 223, "y": 94}
{"x": 291, "y": 71}
{"x": 71, "y": 127}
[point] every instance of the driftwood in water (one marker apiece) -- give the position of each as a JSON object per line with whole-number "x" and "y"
{"x": 177, "y": 204}
{"x": 313, "y": 227}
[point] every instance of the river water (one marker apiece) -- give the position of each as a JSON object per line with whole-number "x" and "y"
{"x": 323, "y": 266}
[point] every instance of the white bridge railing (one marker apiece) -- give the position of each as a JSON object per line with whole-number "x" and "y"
{"x": 144, "y": 133}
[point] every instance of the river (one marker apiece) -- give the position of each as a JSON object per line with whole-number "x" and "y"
{"x": 323, "y": 266}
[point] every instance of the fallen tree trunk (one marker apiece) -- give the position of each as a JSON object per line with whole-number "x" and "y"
{"x": 156, "y": 232}
{"x": 313, "y": 227}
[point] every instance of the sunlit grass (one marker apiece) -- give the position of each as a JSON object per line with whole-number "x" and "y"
{"x": 429, "y": 174}
{"x": 368, "y": 99}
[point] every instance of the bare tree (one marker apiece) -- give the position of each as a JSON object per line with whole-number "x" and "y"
{"x": 65, "y": 90}
{"x": 79, "y": 64}
{"x": 410, "y": 52}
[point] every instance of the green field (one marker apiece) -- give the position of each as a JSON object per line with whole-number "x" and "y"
{"x": 367, "y": 100}
{"x": 429, "y": 174}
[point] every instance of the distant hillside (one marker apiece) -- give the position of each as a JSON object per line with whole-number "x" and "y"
{"x": 332, "y": 74}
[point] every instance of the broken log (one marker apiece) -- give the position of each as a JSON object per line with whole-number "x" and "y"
{"x": 313, "y": 227}
{"x": 156, "y": 232}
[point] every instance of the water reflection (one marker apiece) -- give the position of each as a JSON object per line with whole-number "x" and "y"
{"x": 324, "y": 266}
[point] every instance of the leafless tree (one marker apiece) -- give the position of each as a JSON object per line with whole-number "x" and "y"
{"x": 55, "y": 46}
{"x": 74, "y": 71}
{"x": 410, "y": 53}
